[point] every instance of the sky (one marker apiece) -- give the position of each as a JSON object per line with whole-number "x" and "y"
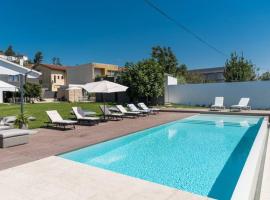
{"x": 121, "y": 31}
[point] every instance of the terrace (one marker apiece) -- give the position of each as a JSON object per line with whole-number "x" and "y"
{"x": 31, "y": 169}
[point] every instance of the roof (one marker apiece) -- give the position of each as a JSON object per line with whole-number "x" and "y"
{"x": 15, "y": 69}
{"x": 53, "y": 67}
{"x": 7, "y": 87}
{"x": 208, "y": 70}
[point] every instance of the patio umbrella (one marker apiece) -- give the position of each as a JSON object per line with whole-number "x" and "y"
{"x": 104, "y": 87}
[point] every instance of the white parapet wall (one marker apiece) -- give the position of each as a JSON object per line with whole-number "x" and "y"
{"x": 204, "y": 94}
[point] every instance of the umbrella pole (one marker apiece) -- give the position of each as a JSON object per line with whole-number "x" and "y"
{"x": 104, "y": 113}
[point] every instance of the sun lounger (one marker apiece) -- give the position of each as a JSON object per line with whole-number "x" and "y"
{"x": 218, "y": 105}
{"x": 57, "y": 120}
{"x": 144, "y": 107}
{"x": 133, "y": 108}
{"x": 110, "y": 115}
{"x": 127, "y": 113}
{"x": 80, "y": 115}
{"x": 242, "y": 105}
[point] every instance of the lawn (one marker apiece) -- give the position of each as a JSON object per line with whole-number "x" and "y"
{"x": 38, "y": 110}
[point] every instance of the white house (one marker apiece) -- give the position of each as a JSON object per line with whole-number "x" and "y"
{"x": 9, "y": 74}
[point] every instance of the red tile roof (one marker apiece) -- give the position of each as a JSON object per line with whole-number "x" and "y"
{"x": 54, "y": 67}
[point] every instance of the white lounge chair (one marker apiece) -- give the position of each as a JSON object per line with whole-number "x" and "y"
{"x": 133, "y": 108}
{"x": 107, "y": 113}
{"x": 82, "y": 118}
{"x": 57, "y": 120}
{"x": 144, "y": 107}
{"x": 219, "y": 104}
{"x": 128, "y": 113}
{"x": 242, "y": 105}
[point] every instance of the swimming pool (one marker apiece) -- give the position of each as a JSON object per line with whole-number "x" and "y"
{"x": 203, "y": 154}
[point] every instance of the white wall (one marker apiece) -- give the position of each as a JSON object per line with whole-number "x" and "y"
{"x": 204, "y": 94}
{"x": 169, "y": 80}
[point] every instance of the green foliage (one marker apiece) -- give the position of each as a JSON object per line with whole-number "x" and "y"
{"x": 38, "y": 110}
{"x": 165, "y": 58}
{"x": 9, "y": 51}
{"x": 237, "y": 68}
{"x": 181, "y": 79}
{"x": 195, "y": 78}
{"x": 56, "y": 61}
{"x": 265, "y": 76}
{"x": 145, "y": 79}
{"x": 38, "y": 58}
{"x": 181, "y": 70}
{"x": 32, "y": 90}
{"x": 21, "y": 120}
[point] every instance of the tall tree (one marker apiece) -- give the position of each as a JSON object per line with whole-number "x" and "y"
{"x": 9, "y": 51}
{"x": 56, "y": 61}
{"x": 265, "y": 76}
{"x": 237, "y": 68}
{"x": 195, "y": 78}
{"x": 38, "y": 58}
{"x": 145, "y": 80}
{"x": 166, "y": 59}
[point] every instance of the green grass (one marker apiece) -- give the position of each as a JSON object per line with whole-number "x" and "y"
{"x": 38, "y": 110}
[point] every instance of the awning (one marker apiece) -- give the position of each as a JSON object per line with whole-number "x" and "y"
{"x": 7, "y": 87}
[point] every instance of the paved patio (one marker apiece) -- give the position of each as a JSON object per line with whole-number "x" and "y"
{"x": 55, "y": 178}
{"x": 49, "y": 142}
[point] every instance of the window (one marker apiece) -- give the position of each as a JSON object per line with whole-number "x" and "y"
{"x": 54, "y": 79}
{"x": 58, "y": 77}
{"x": 62, "y": 77}
{"x": 13, "y": 78}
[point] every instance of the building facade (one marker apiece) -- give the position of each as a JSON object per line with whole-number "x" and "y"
{"x": 214, "y": 74}
{"x": 10, "y": 73}
{"x": 53, "y": 76}
{"x": 87, "y": 73}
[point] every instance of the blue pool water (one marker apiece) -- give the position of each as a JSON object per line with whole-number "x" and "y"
{"x": 203, "y": 154}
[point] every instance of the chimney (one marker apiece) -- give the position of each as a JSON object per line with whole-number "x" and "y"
{"x": 21, "y": 61}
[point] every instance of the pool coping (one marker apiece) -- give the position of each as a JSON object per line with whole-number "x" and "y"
{"x": 246, "y": 187}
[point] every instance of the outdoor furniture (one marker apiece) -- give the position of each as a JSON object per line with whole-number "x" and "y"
{"x": 80, "y": 115}
{"x": 57, "y": 120}
{"x": 8, "y": 120}
{"x": 4, "y": 127}
{"x": 144, "y": 107}
{"x": 13, "y": 137}
{"x": 127, "y": 113}
{"x": 107, "y": 113}
{"x": 242, "y": 105}
{"x": 218, "y": 105}
{"x": 133, "y": 108}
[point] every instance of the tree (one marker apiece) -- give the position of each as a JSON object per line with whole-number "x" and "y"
{"x": 195, "y": 78}
{"x": 237, "y": 68}
{"x": 56, "y": 61}
{"x": 32, "y": 91}
{"x": 181, "y": 70}
{"x": 145, "y": 80}
{"x": 166, "y": 59}
{"x": 9, "y": 51}
{"x": 265, "y": 76}
{"x": 38, "y": 58}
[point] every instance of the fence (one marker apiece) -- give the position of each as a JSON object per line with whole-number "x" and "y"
{"x": 204, "y": 94}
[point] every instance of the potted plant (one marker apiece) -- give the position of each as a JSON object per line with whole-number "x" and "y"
{"x": 21, "y": 121}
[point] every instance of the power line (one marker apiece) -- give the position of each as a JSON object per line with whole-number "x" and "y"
{"x": 183, "y": 27}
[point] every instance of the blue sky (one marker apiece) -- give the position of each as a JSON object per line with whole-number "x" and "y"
{"x": 121, "y": 31}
